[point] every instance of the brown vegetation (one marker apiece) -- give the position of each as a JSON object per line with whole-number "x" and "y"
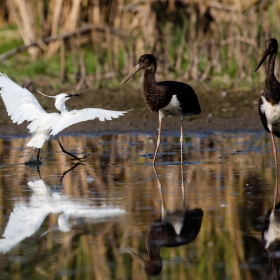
{"x": 195, "y": 39}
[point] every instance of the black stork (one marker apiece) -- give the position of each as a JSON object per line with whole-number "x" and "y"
{"x": 169, "y": 98}
{"x": 269, "y": 103}
{"x": 162, "y": 233}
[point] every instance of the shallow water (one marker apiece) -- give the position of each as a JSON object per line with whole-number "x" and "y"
{"x": 116, "y": 217}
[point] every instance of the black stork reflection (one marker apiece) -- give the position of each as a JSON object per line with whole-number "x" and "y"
{"x": 271, "y": 238}
{"x": 271, "y": 234}
{"x": 173, "y": 229}
{"x": 169, "y": 98}
{"x": 269, "y": 106}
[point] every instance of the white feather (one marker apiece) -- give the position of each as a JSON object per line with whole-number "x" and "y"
{"x": 172, "y": 109}
{"x": 39, "y": 138}
{"x": 273, "y": 231}
{"x": 22, "y": 106}
{"x": 24, "y": 221}
{"x": 20, "y": 103}
{"x": 75, "y": 116}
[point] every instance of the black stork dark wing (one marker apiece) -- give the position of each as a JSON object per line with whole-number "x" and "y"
{"x": 192, "y": 224}
{"x": 186, "y": 96}
{"x": 163, "y": 234}
{"x": 189, "y": 101}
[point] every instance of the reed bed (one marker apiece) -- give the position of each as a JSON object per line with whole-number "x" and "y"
{"x": 192, "y": 40}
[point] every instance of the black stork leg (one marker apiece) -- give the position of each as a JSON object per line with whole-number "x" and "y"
{"x": 276, "y": 165}
{"x": 183, "y": 185}
{"x": 182, "y": 139}
{"x": 57, "y": 139}
{"x": 160, "y": 192}
{"x": 275, "y": 192}
{"x": 159, "y": 137}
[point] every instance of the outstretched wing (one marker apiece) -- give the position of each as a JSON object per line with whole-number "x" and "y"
{"x": 20, "y": 103}
{"x": 76, "y": 116}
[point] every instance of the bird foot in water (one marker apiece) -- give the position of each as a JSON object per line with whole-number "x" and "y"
{"x": 33, "y": 161}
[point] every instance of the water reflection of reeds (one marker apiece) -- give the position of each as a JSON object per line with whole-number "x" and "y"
{"x": 229, "y": 176}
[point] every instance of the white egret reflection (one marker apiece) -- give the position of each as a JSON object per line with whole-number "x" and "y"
{"x": 27, "y": 216}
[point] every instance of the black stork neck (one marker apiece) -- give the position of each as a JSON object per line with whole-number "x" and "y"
{"x": 149, "y": 81}
{"x": 272, "y": 87}
{"x": 270, "y": 78}
{"x": 153, "y": 266}
{"x": 155, "y": 94}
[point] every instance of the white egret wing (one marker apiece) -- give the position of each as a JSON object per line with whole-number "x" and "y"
{"x": 76, "y": 116}
{"x": 20, "y": 103}
{"x": 44, "y": 122}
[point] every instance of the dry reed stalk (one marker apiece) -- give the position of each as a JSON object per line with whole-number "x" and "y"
{"x": 63, "y": 70}
{"x": 22, "y": 12}
{"x": 22, "y": 28}
{"x": 56, "y": 6}
{"x": 4, "y": 12}
{"x": 83, "y": 83}
{"x": 74, "y": 59}
{"x": 96, "y": 18}
{"x": 70, "y": 22}
{"x": 215, "y": 37}
{"x": 40, "y": 20}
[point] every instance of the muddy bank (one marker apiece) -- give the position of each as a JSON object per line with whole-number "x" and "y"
{"x": 221, "y": 110}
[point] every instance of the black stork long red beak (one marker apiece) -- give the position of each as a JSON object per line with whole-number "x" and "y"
{"x": 266, "y": 53}
{"x": 131, "y": 74}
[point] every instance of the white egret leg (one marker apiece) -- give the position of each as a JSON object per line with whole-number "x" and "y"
{"x": 276, "y": 165}
{"x": 67, "y": 171}
{"x": 57, "y": 139}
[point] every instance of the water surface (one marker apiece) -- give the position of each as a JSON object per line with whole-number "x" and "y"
{"x": 116, "y": 217}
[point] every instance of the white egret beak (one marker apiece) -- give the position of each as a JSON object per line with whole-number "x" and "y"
{"x": 45, "y": 94}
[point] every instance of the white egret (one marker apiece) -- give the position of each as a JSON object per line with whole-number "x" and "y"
{"x": 22, "y": 106}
